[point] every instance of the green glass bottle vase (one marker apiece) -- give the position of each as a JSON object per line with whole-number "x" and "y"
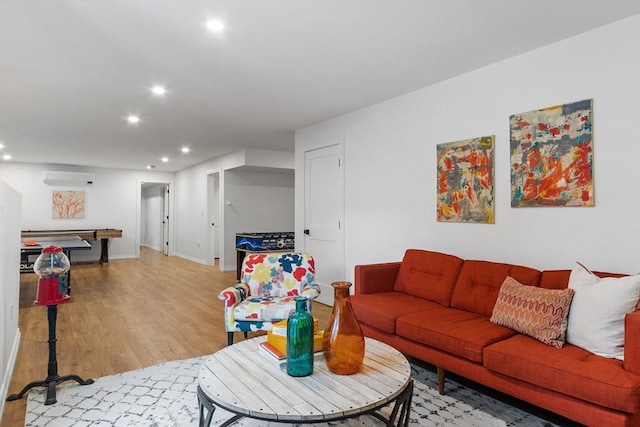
{"x": 300, "y": 340}
{"x": 343, "y": 340}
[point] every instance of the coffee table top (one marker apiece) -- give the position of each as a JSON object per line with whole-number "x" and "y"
{"x": 239, "y": 379}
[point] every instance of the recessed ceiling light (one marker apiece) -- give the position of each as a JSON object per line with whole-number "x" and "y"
{"x": 185, "y": 149}
{"x": 1, "y": 145}
{"x": 158, "y": 90}
{"x": 165, "y": 159}
{"x": 133, "y": 119}
{"x": 215, "y": 26}
{"x": 7, "y": 157}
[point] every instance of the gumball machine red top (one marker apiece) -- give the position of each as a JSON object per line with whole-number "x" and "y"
{"x": 51, "y": 268}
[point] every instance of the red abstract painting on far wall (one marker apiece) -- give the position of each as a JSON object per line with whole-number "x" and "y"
{"x": 465, "y": 181}
{"x": 552, "y": 156}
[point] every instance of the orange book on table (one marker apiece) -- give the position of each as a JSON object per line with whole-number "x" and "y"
{"x": 272, "y": 350}
{"x": 277, "y": 337}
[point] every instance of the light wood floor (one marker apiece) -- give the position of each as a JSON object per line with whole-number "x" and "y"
{"x": 124, "y": 315}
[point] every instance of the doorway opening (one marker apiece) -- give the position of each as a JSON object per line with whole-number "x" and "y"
{"x": 214, "y": 221}
{"x": 154, "y": 216}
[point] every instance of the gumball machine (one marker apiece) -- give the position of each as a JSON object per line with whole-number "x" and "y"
{"x": 51, "y": 267}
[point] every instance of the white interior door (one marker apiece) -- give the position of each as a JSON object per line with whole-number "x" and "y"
{"x": 214, "y": 214}
{"x": 165, "y": 221}
{"x": 324, "y": 215}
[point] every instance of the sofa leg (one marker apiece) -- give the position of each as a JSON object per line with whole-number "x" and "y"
{"x": 229, "y": 338}
{"x": 441, "y": 373}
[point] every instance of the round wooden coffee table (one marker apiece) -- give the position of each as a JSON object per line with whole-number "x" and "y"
{"x": 241, "y": 381}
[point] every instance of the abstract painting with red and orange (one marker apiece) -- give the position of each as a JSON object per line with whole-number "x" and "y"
{"x": 552, "y": 156}
{"x": 465, "y": 181}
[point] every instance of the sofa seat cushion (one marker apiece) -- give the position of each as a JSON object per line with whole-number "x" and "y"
{"x": 454, "y": 331}
{"x": 380, "y": 310}
{"x": 569, "y": 370}
{"x": 429, "y": 275}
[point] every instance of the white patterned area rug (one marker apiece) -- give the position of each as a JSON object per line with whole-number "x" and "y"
{"x": 165, "y": 396}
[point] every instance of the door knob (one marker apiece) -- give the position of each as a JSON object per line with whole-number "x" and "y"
{"x": 306, "y": 231}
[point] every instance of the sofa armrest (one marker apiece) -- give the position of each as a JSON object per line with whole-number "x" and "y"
{"x": 632, "y": 342}
{"x": 373, "y": 278}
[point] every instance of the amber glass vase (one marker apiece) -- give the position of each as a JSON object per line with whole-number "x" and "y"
{"x": 343, "y": 341}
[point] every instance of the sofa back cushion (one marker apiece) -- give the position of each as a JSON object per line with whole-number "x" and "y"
{"x": 429, "y": 275}
{"x": 559, "y": 279}
{"x": 479, "y": 283}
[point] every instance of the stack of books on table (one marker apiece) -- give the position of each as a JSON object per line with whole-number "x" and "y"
{"x": 275, "y": 346}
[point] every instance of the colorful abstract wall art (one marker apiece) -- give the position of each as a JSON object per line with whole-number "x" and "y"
{"x": 68, "y": 204}
{"x": 552, "y": 156}
{"x": 465, "y": 181}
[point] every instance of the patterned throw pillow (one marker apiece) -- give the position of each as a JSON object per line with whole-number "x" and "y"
{"x": 600, "y": 304}
{"x": 537, "y": 312}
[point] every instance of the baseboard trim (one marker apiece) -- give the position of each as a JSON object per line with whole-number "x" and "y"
{"x": 6, "y": 381}
{"x": 194, "y": 259}
{"x": 326, "y": 294}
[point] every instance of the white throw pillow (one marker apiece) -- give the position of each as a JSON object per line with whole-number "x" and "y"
{"x": 598, "y": 308}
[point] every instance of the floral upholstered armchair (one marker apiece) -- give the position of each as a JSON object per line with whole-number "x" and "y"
{"x": 269, "y": 282}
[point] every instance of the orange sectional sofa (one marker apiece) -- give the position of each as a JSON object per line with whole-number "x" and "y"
{"x": 437, "y": 307}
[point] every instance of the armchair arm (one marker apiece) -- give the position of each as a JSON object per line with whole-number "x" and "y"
{"x": 232, "y": 296}
{"x": 632, "y": 342}
{"x": 311, "y": 291}
{"x": 373, "y": 278}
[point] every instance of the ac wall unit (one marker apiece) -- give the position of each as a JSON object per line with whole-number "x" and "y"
{"x": 68, "y": 179}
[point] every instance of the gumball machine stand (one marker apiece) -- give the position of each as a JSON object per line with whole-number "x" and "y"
{"x": 51, "y": 268}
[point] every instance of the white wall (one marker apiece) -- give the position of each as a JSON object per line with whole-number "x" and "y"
{"x": 256, "y": 202}
{"x": 193, "y": 219}
{"x": 191, "y": 225}
{"x": 113, "y": 201}
{"x": 390, "y": 160}
{"x": 10, "y": 207}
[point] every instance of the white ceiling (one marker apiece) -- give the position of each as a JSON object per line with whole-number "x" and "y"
{"x": 70, "y": 71}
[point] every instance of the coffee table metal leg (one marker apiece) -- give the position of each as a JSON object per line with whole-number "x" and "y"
{"x": 404, "y": 402}
{"x": 205, "y": 405}
{"x": 401, "y": 408}
{"x": 207, "y": 408}
{"x": 231, "y": 420}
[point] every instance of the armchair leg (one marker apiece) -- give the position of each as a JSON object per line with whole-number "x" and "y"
{"x": 230, "y": 337}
